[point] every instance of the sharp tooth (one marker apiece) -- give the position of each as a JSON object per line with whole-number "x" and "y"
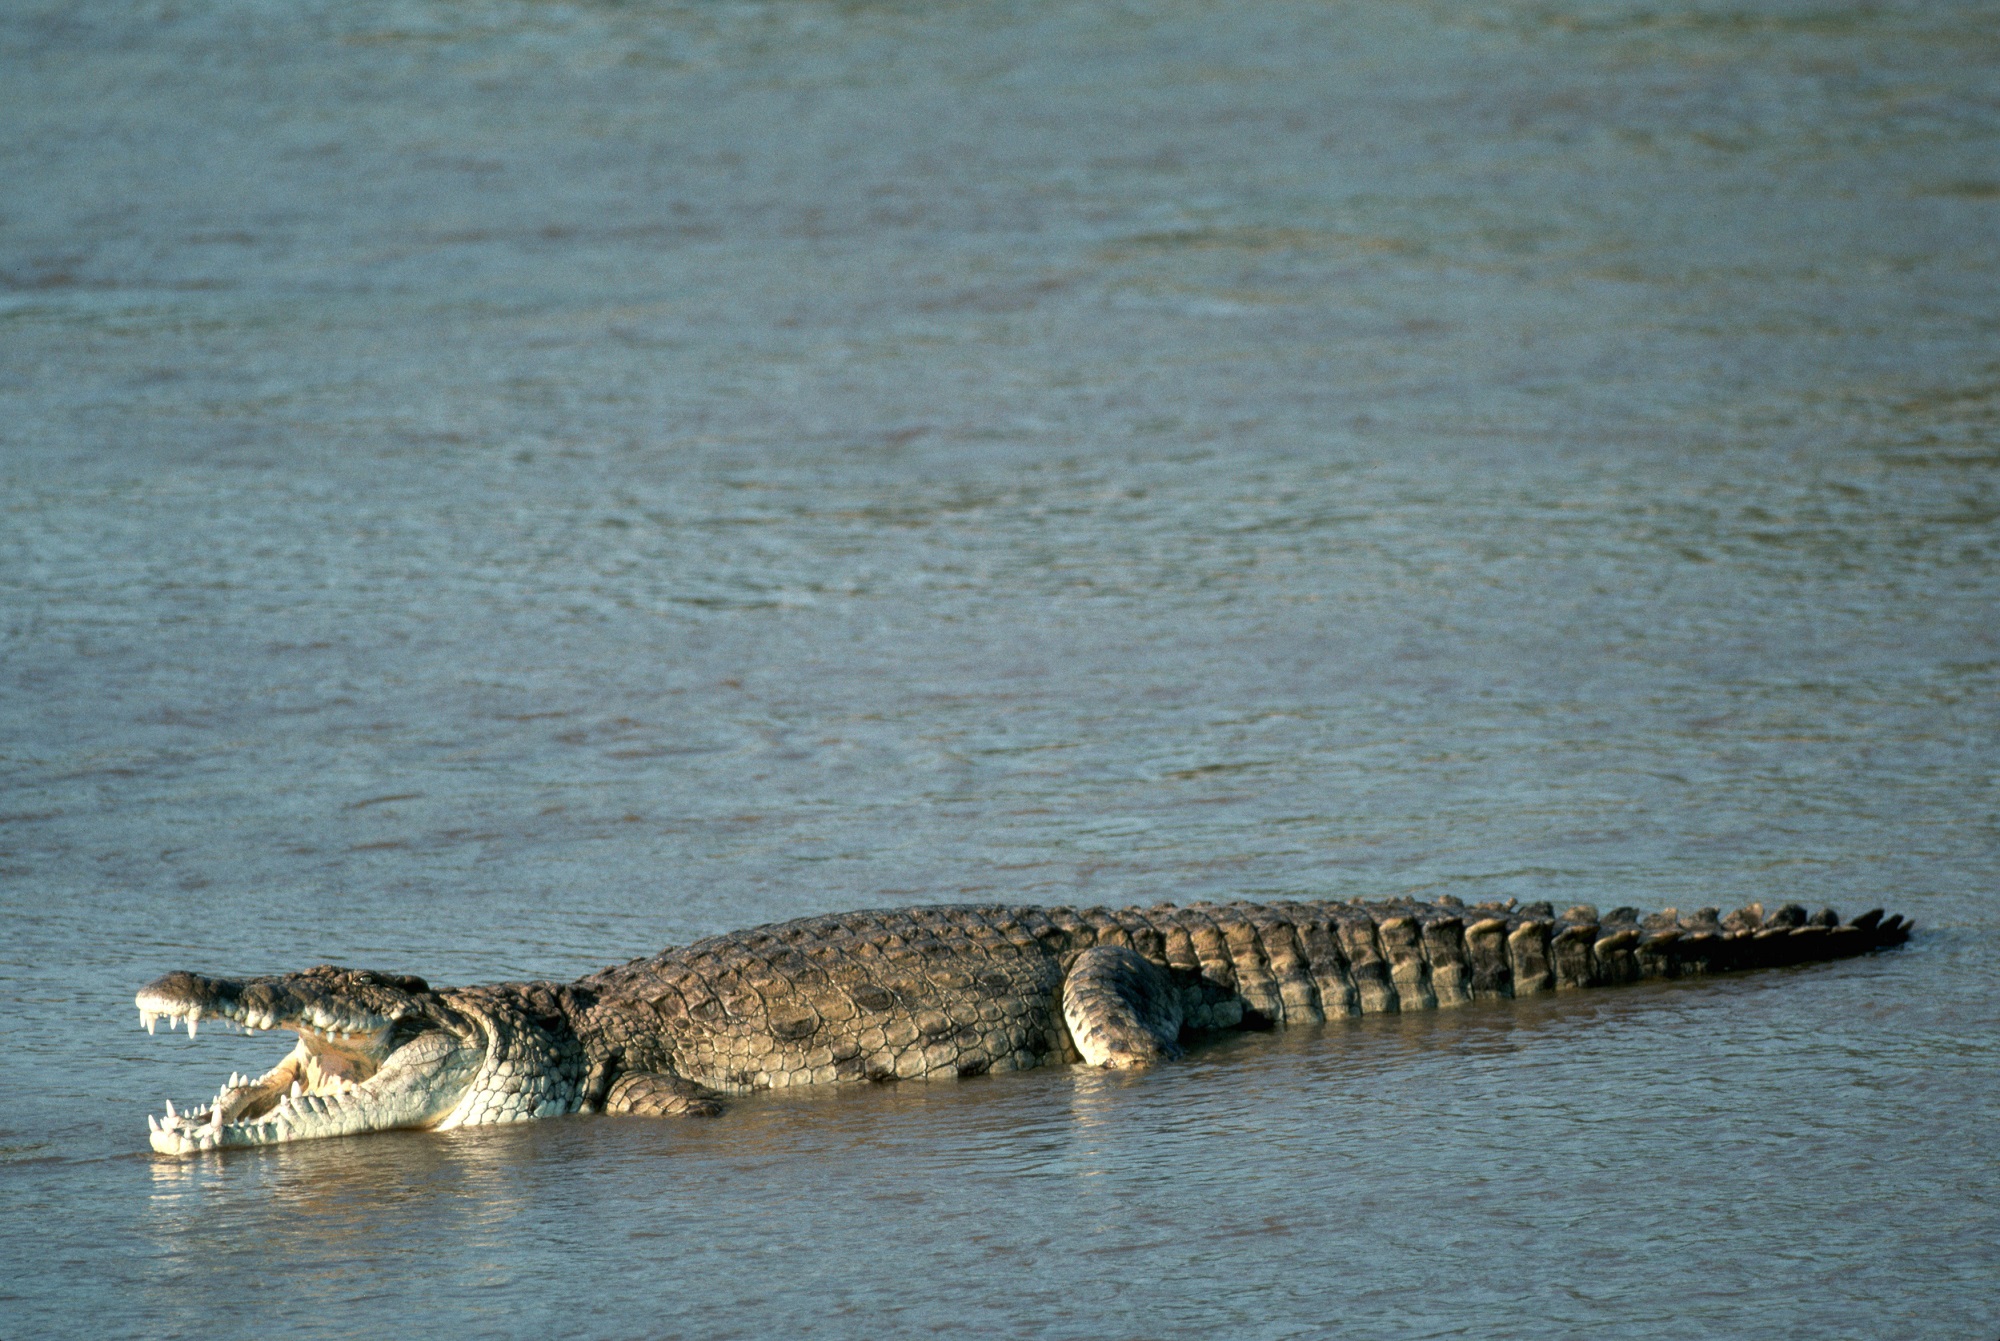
{"x": 295, "y": 1090}
{"x": 152, "y": 1123}
{"x": 193, "y": 1022}
{"x": 151, "y": 1020}
{"x": 170, "y": 1109}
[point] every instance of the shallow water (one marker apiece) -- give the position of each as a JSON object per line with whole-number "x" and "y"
{"x": 491, "y": 489}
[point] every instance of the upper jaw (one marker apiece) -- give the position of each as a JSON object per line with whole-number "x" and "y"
{"x": 256, "y": 1004}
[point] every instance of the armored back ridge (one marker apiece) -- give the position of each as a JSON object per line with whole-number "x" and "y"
{"x": 946, "y": 991}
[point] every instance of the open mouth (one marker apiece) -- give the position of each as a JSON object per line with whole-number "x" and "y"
{"x": 354, "y": 1069}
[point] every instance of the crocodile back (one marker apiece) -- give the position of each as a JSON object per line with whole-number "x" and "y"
{"x": 959, "y": 989}
{"x": 892, "y": 994}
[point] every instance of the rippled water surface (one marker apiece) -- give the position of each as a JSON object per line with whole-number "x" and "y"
{"x": 490, "y": 489}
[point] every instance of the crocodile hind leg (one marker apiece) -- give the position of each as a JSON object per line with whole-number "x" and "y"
{"x": 652, "y": 1094}
{"x": 1121, "y": 1009}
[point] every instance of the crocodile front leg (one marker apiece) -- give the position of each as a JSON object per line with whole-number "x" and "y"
{"x": 652, "y": 1094}
{"x": 1121, "y": 1009}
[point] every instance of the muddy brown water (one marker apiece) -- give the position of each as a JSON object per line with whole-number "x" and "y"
{"x": 489, "y": 489}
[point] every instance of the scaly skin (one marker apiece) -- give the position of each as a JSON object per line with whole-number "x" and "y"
{"x": 914, "y": 993}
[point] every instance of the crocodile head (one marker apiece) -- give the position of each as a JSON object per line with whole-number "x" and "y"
{"x": 375, "y": 1051}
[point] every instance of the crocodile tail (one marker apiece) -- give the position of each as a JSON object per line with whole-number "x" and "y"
{"x": 1748, "y": 939}
{"x": 1328, "y": 960}
{"x": 1586, "y": 952}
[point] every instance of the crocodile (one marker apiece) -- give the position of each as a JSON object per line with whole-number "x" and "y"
{"x": 930, "y": 992}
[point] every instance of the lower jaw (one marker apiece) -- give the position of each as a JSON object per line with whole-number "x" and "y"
{"x": 184, "y": 1136}
{"x": 303, "y": 1118}
{"x": 319, "y": 1118}
{"x": 398, "y": 1100}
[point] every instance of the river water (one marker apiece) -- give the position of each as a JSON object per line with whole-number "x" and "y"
{"x": 489, "y": 489}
